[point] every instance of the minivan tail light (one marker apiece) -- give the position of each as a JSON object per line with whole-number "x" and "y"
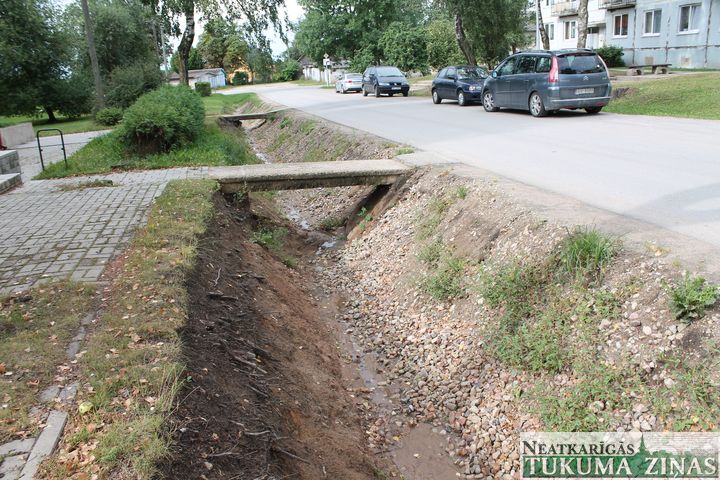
{"x": 553, "y": 75}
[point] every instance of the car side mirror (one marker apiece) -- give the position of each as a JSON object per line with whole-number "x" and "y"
{"x": 495, "y": 74}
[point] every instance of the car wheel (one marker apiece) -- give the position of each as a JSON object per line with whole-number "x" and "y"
{"x": 593, "y": 110}
{"x": 537, "y": 108}
{"x": 405, "y": 94}
{"x": 462, "y": 101}
{"x": 377, "y": 92}
{"x": 436, "y": 97}
{"x": 489, "y": 102}
{"x": 365, "y": 93}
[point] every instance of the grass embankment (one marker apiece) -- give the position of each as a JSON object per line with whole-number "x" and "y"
{"x": 35, "y": 330}
{"x": 689, "y": 96}
{"x": 67, "y": 125}
{"x": 551, "y": 315}
{"x": 214, "y": 147}
{"x": 133, "y": 368}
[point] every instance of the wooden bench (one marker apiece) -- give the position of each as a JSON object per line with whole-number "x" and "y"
{"x": 638, "y": 69}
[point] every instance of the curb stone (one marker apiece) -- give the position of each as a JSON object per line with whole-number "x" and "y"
{"x": 45, "y": 444}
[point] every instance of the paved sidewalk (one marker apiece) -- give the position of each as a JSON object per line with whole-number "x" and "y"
{"x": 48, "y": 234}
{"x": 52, "y": 151}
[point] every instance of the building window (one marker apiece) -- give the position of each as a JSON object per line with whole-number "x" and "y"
{"x": 570, "y": 30}
{"x": 689, "y": 18}
{"x": 550, "y": 30}
{"x": 620, "y": 25}
{"x": 652, "y": 22}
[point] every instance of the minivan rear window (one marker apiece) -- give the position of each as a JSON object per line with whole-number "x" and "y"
{"x": 579, "y": 64}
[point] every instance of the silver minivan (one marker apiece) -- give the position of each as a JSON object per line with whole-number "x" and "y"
{"x": 545, "y": 81}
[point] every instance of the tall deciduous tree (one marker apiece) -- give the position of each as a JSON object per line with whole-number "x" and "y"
{"x": 35, "y": 62}
{"x": 222, "y": 45}
{"x": 92, "y": 52}
{"x": 541, "y": 26}
{"x": 442, "y": 48}
{"x": 582, "y": 23}
{"x": 257, "y": 15}
{"x": 490, "y": 29}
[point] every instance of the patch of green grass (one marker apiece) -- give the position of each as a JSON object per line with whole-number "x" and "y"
{"x": 331, "y": 223}
{"x": 213, "y": 147}
{"x": 691, "y": 296}
{"x": 286, "y": 122}
{"x": 315, "y": 154}
{"x": 445, "y": 281}
{"x": 307, "y": 82}
{"x": 67, "y": 125}
{"x": 432, "y": 252}
{"x": 421, "y": 92}
{"x": 273, "y": 240}
{"x": 587, "y": 252}
{"x": 35, "y": 330}
{"x": 690, "y": 96}
{"x": 430, "y": 218}
{"x": 219, "y": 104}
{"x": 461, "y": 192}
{"x": 307, "y": 126}
{"x": 404, "y": 150}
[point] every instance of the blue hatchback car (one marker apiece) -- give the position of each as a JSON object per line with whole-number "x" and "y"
{"x": 463, "y": 83}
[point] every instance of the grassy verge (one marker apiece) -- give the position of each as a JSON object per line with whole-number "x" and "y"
{"x": 690, "y": 96}
{"x": 101, "y": 155}
{"x": 218, "y": 104}
{"x": 550, "y": 321}
{"x": 307, "y": 82}
{"x": 67, "y": 125}
{"x": 35, "y": 330}
{"x": 133, "y": 365}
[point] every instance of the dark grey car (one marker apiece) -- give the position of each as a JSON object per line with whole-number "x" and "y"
{"x": 546, "y": 81}
{"x": 388, "y": 80}
{"x": 463, "y": 83}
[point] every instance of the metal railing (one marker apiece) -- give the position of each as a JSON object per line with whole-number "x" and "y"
{"x": 563, "y": 9}
{"x": 613, "y": 4}
{"x": 40, "y": 150}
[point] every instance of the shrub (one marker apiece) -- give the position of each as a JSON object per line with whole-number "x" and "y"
{"x": 163, "y": 119}
{"x": 691, "y": 297}
{"x": 109, "y": 116}
{"x": 240, "y": 78}
{"x": 129, "y": 83}
{"x": 446, "y": 281}
{"x": 612, "y": 55}
{"x": 203, "y": 88}
{"x": 289, "y": 70}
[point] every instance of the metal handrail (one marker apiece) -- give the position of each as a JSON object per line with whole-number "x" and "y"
{"x": 62, "y": 140}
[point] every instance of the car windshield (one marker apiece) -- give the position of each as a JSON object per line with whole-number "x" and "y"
{"x": 579, "y": 64}
{"x": 471, "y": 73}
{"x": 389, "y": 72}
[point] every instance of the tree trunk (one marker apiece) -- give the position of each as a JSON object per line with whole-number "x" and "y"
{"x": 51, "y": 115}
{"x": 462, "y": 41}
{"x": 582, "y": 23}
{"x": 90, "y": 35}
{"x": 186, "y": 41}
{"x": 541, "y": 27}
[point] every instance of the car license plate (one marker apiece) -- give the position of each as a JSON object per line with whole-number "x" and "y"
{"x": 583, "y": 91}
{"x": 396, "y": 88}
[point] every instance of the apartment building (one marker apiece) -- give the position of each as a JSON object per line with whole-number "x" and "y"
{"x": 685, "y": 33}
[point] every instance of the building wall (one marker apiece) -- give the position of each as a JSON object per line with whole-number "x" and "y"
{"x": 696, "y": 49}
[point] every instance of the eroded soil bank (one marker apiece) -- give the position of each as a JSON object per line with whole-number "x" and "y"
{"x": 264, "y": 397}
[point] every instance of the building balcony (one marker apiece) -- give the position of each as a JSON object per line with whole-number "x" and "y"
{"x": 564, "y": 9}
{"x": 616, "y": 4}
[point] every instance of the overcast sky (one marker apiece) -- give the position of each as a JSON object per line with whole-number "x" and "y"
{"x": 294, "y": 11}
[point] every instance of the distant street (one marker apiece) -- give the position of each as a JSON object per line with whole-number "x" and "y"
{"x": 665, "y": 171}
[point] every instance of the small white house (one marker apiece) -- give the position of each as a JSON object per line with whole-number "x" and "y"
{"x": 214, "y": 76}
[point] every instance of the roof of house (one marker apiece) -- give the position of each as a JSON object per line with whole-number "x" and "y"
{"x": 199, "y": 73}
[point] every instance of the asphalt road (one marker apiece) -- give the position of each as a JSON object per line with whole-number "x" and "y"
{"x": 665, "y": 171}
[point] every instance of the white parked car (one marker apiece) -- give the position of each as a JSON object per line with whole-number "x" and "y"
{"x": 348, "y": 82}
